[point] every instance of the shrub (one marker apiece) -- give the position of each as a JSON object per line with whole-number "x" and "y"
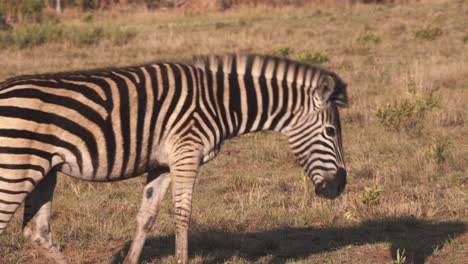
{"x": 428, "y": 33}
{"x": 404, "y": 114}
{"x": 394, "y": 116}
{"x": 313, "y": 57}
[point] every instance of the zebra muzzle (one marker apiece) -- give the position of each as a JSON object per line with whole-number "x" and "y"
{"x": 331, "y": 186}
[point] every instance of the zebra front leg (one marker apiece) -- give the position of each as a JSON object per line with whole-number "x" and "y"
{"x": 36, "y": 227}
{"x": 184, "y": 173}
{"x": 155, "y": 189}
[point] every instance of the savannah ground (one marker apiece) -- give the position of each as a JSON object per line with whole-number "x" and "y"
{"x": 405, "y": 137}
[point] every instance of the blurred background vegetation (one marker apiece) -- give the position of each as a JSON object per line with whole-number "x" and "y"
{"x": 38, "y": 11}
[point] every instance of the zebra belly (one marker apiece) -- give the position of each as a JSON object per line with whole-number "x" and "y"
{"x": 158, "y": 158}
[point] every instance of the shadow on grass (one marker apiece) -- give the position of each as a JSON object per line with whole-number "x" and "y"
{"x": 418, "y": 237}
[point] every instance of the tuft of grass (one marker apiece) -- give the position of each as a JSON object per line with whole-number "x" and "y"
{"x": 313, "y": 57}
{"x": 368, "y": 37}
{"x": 436, "y": 152}
{"x": 400, "y": 257}
{"x": 371, "y": 196}
{"x": 365, "y": 203}
{"x": 428, "y": 33}
{"x": 282, "y": 51}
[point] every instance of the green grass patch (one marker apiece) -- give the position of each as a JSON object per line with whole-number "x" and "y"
{"x": 428, "y": 33}
{"x": 313, "y": 57}
{"x": 368, "y": 37}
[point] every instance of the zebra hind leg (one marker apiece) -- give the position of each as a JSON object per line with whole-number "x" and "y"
{"x": 184, "y": 172}
{"x": 36, "y": 227}
{"x": 155, "y": 189}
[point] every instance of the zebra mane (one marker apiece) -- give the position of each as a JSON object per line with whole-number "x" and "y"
{"x": 251, "y": 63}
{"x": 255, "y": 65}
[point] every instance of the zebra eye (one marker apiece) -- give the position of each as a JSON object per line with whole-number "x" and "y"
{"x": 330, "y": 131}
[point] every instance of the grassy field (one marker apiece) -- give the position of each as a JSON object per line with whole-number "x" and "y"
{"x": 405, "y": 138}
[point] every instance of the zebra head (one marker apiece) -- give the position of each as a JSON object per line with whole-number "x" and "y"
{"x": 315, "y": 135}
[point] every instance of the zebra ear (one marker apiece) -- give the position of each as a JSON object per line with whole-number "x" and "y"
{"x": 333, "y": 90}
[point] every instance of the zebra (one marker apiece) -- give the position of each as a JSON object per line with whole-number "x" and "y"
{"x": 164, "y": 119}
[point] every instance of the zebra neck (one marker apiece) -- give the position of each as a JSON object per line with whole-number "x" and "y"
{"x": 250, "y": 103}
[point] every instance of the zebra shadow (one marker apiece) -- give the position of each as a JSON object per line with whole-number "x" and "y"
{"x": 420, "y": 238}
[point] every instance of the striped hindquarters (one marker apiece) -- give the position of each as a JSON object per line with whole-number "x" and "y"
{"x": 102, "y": 125}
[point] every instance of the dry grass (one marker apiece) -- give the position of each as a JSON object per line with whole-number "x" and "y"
{"x": 407, "y": 186}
